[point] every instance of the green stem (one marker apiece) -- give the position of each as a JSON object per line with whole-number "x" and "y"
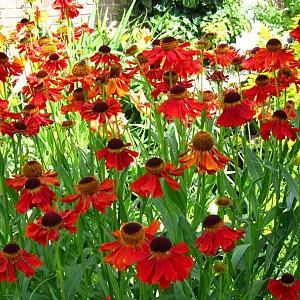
{"x": 59, "y": 270}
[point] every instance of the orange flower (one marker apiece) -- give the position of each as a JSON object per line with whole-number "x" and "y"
{"x": 131, "y": 246}
{"x": 8, "y": 68}
{"x": 105, "y": 57}
{"x": 91, "y": 191}
{"x": 217, "y": 235}
{"x": 203, "y": 155}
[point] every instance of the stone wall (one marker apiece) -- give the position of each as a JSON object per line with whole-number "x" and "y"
{"x": 12, "y": 11}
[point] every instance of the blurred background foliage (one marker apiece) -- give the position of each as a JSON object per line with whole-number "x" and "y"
{"x": 229, "y": 18}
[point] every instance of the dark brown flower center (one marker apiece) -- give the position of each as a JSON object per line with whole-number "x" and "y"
{"x": 104, "y": 49}
{"x": 178, "y": 92}
{"x": 30, "y": 109}
{"x": 24, "y": 21}
{"x": 160, "y": 244}
{"x": 232, "y": 97}
{"x": 11, "y": 248}
{"x": 254, "y": 50}
{"x": 115, "y": 144}
{"x": 274, "y": 45}
{"x": 156, "y": 42}
{"x": 54, "y": 57}
{"x": 78, "y": 94}
{"x": 285, "y": 73}
{"x": 132, "y": 227}
{"x": 32, "y": 169}
{"x": 100, "y": 107}
{"x": 168, "y": 39}
{"x": 280, "y": 114}
{"x": 3, "y": 58}
{"x": 41, "y": 74}
{"x": 32, "y": 183}
{"x": 132, "y": 233}
{"x": 88, "y": 185}
{"x": 51, "y": 219}
{"x": 131, "y": 50}
{"x": 262, "y": 80}
{"x": 287, "y": 278}
{"x": 202, "y": 141}
{"x": 222, "y": 48}
{"x": 211, "y": 221}
{"x": 154, "y": 165}
{"x": 67, "y": 123}
{"x": 20, "y": 125}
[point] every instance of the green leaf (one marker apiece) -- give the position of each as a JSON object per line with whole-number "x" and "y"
{"x": 291, "y": 182}
{"x": 238, "y": 253}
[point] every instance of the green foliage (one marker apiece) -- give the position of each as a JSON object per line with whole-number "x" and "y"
{"x": 278, "y": 17}
{"x": 228, "y": 22}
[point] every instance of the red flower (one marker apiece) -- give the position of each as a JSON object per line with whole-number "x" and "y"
{"x": 131, "y": 246}
{"x": 4, "y": 114}
{"x": 105, "y": 57}
{"x": 33, "y": 116}
{"x": 204, "y": 155}
{"x": 47, "y": 228}
{"x": 55, "y": 63}
{"x": 217, "y": 235}
{"x": 34, "y": 184}
{"x": 295, "y": 33}
{"x": 172, "y": 55}
{"x": 8, "y": 68}
{"x": 116, "y": 154}
{"x": 236, "y": 111}
{"x": 210, "y": 103}
{"x": 90, "y": 190}
{"x": 225, "y": 54}
{"x": 250, "y": 63}
{"x": 77, "y": 99}
{"x": 179, "y": 105}
{"x": 286, "y": 288}
{"x": 165, "y": 263}
{"x": 273, "y": 56}
{"x": 261, "y": 91}
{"x": 280, "y": 127}
{"x": 286, "y": 76}
{"x": 102, "y": 111}
{"x": 169, "y": 80}
{"x": 81, "y": 29}
{"x": 149, "y": 184}
{"x": 68, "y": 9}
{"x": 19, "y": 127}
{"x": 289, "y": 109}
{"x": 13, "y": 257}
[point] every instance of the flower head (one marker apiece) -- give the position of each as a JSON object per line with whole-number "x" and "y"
{"x": 47, "y": 228}
{"x": 91, "y": 191}
{"x": 149, "y": 184}
{"x": 116, "y": 154}
{"x": 279, "y": 126}
{"x": 285, "y": 288}
{"x": 165, "y": 263}
{"x": 217, "y": 235}
{"x": 203, "y": 154}
{"x": 131, "y": 246}
{"x": 236, "y": 111}
{"x": 13, "y": 257}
